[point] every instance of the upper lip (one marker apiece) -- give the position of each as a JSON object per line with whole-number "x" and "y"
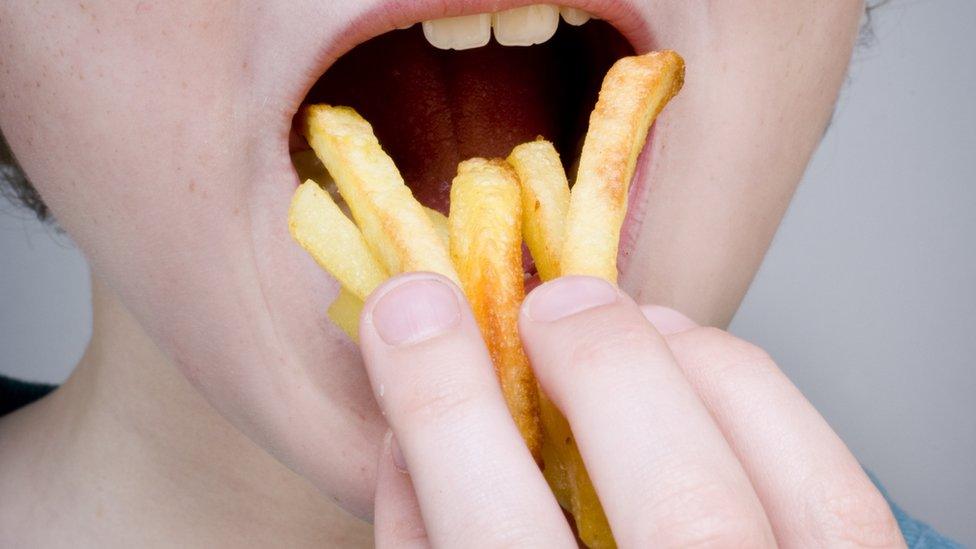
{"x": 388, "y": 15}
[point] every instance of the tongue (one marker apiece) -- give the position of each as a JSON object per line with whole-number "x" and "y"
{"x": 431, "y": 109}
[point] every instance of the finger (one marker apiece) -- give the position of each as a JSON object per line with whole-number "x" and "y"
{"x": 814, "y": 491}
{"x": 474, "y": 477}
{"x": 667, "y": 321}
{"x": 396, "y": 519}
{"x": 663, "y": 471}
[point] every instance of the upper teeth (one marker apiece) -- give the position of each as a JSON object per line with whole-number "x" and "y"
{"x": 523, "y": 26}
{"x": 574, "y": 16}
{"x": 459, "y": 33}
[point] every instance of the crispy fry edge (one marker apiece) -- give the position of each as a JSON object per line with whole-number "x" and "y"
{"x": 486, "y": 245}
{"x": 634, "y": 92}
{"x": 545, "y": 201}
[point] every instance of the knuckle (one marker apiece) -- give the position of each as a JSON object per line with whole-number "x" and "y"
{"x": 713, "y": 530}
{"x": 706, "y": 515}
{"x": 714, "y": 352}
{"x": 856, "y": 516}
{"x": 503, "y": 530}
{"x": 404, "y": 533}
{"x": 603, "y": 347}
{"x": 438, "y": 398}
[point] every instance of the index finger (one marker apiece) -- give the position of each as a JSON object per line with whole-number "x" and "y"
{"x": 474, "y": 477}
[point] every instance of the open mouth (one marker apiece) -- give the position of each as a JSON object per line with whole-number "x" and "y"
{"x": 440, "y": 91}
{"x": 443, "y": 91}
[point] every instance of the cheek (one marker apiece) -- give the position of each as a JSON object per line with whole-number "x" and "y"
{"x": 769, "y": 73}
{"x": 112, "y": 120}
{"x": 145, "y": 135}
{"x": 761, "y": 82}
{"x": 128, "y": 136}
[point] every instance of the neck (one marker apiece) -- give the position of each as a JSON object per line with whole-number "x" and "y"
{"x": 126, "y": 449}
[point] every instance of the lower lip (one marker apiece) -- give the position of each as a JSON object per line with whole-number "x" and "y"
{"x": 636, "y": 205}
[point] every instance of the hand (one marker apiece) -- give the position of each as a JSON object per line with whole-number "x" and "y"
{"x": 690, "y": 436}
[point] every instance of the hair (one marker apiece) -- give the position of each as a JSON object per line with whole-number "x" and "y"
{"x": 15, "y": 187}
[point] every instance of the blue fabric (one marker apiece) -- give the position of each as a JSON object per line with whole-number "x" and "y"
{"x": 918, "y": 535}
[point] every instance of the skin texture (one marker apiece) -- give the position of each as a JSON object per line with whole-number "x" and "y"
{"x": 157, "y": 133}
{"x": 710, "y": 445}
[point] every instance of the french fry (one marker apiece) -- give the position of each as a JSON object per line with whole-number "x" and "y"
{"x": 567, "y": 477}
{"x": 486, "y": 245}
{"x": 545, "y": 200}
{"x": 345, "y": 311}
{"x": 395, "y": 226}
{"x": 441, "y": 225}
{"x": 633, "y": 93}
{"x": 331, "y": 238}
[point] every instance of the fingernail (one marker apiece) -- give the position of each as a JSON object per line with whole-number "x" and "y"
{"x": 415, "y": 311}
{"x": 398, "y": 461}
{"x": 568, "y": 296}
{"x": 668, "y": 321}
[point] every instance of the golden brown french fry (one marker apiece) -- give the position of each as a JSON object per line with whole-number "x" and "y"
{"x": 332, "y": 239}
{"x": 441, "y": 224}
{"x": 394, "y": 224}
{"x": 345, "y": 311}
{"x": 633, "y": 93}
{"x": 567, "y": 477}
{"x": 486, "y": 244}
{"x": 545, "y": 200}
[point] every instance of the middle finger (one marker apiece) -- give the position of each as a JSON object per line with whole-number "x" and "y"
{"x": 664, "y": 473}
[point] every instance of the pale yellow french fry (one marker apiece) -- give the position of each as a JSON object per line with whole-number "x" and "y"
{"x": 345, "y": 311}
{"x": 333, "y": 240}
{"x": 394, "y": 224}
{"x": 486, "y": 245}
{"x": 545, "y": 201}
{"x": 441, "y": 224}
{"x": 633, "y": 93}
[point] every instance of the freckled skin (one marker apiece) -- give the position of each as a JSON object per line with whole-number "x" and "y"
{"x": 157, "y": 132}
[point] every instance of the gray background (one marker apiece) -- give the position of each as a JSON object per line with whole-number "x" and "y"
{"x": 867, "y": 298}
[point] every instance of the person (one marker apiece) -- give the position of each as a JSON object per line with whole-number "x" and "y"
{"x": 216, "y": 406}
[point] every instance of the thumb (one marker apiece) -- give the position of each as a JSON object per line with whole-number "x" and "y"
{"x": 397, "y": 522}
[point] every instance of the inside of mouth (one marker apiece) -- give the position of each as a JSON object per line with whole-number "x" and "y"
{"x": 432, "y": 108}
